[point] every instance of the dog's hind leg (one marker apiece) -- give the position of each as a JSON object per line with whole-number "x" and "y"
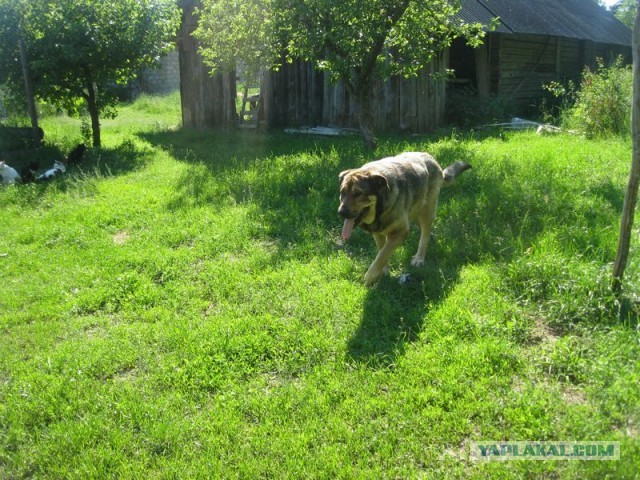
{"x": 425, "y": 220}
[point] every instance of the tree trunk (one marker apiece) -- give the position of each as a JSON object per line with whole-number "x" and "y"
{"x": 31, "y": 102}
{"x": 365, "y": 117}
{"x": 94, "y": 112}
{"x": 631, "y": 197}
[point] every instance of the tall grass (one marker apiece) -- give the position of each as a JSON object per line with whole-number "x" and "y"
{"x": 181, "y": 306}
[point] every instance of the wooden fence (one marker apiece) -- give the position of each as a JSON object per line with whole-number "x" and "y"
{"x": 298, "y": 95}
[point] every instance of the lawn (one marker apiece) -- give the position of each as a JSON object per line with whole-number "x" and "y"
{"x": 182, "y": 306}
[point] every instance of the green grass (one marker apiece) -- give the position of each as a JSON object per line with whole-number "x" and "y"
{"x": 181, "y": 306}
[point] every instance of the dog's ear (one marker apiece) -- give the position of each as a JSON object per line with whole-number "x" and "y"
{"x": 342, "y": 175}
{"x": 377, "y": 182}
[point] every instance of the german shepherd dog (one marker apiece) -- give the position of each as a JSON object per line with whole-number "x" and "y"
{"x": 382, "y": 197}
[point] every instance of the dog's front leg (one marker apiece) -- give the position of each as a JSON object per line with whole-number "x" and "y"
{"x": 381, "y": 240}
{"x": 387, "y": 247}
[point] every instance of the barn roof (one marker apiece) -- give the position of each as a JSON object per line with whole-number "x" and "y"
{"x": 581, "y": 19}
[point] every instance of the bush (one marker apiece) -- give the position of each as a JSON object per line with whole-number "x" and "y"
{"x": 467, "y": 109}
{"x": 601, "y": 106}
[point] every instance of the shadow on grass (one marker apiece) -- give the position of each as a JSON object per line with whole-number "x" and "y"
{"x": 222, "y": 151}
{"x": 393, "y": 313}
{"x": 104, "y": 161}
{"x": 96, "y": 163}
{"x": 124, "y": 158}
{"x": 288, "y": 182}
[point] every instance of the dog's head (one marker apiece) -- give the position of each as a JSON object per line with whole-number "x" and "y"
{"x": 359, "y": 193}
{"x": 57, "y": 165}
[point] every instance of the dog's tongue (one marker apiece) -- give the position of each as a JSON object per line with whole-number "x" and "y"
{"x": 347, "y": 228}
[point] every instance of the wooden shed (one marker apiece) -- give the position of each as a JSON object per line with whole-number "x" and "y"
{"x": 536, "y": 41}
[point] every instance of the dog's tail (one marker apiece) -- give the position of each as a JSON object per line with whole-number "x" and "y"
{"x": 453, "y": 171}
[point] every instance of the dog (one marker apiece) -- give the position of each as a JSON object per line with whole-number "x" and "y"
{"x": 384, "y": 196}
{"x": 29, "y": 172}
{"x": 9, "y": 174}
{"x": 57, "y": 169}
{"x": 76, "y": 155}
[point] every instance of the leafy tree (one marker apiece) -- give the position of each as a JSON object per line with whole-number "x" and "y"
{"x": 10, "y": 34}
{"x": 80, "y": 50}
{"x": 235, "y": 31}
{"x": 358, "y": 41}
{"x": 355, "y": 41}
{"x": 625, "y": 11}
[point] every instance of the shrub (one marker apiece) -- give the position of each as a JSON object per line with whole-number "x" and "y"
{"x": 601, "y": 106}
{"x": 467, "y": 109}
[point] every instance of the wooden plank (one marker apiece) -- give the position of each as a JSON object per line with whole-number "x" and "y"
{"x": 298, "y": 95}
{"x": 483, "y": 80}
{"x": 407, "y": 114}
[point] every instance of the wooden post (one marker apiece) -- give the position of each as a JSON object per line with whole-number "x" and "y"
{"x": 631, "y": 197}
{"x": 483, "y": 79}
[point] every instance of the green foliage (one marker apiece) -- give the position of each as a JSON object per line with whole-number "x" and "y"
{"x": 181, "y": 306}
{"x": 355, "y": 41}
{"x": 356, "y": 38}
{"x": 467, "y": 109}
{"x": 83, "y": 49}
{"x": 601, "y": 105}
{"x": 625, "y": 11}
{"x": 236, "y": 34}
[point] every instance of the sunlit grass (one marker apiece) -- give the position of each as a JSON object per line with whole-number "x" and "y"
{"x": 180, "y": 306}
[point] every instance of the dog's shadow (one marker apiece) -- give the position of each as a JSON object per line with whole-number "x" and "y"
{"x": 393, "y": 313}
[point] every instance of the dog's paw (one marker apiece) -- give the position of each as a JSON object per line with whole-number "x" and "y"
{"x": 417, "y": 261}
{"x": 372, "y": 276}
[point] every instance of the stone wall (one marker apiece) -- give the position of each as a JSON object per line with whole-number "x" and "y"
{"x": 165, "y": 79}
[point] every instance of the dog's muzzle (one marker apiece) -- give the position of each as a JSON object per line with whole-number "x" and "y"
{"x": 345, "y": 213}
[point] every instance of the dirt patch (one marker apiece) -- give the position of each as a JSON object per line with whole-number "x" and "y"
{"x": 121, "y": 237}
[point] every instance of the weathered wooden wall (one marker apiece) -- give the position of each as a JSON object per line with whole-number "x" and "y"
{"x": 207, "y": 101}
{"x": 521, "y": 64}
{"x": 510, "y": 66}
{"x": 526, "y": 62}
{"x": 298, "y": 95}
{"x": 292, "y": 96}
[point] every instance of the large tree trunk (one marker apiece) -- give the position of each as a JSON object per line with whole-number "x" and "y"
{"x": 31, "y": 102}
{"x": 94, "y": 112}
{"x": 631, "y": 197}
{"x": 362, "y": 97}
{"x": 206, "y": 100}
{"x": 365, "y": 120}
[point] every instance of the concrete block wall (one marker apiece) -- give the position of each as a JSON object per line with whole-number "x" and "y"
{"x": 165, "y": 79}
